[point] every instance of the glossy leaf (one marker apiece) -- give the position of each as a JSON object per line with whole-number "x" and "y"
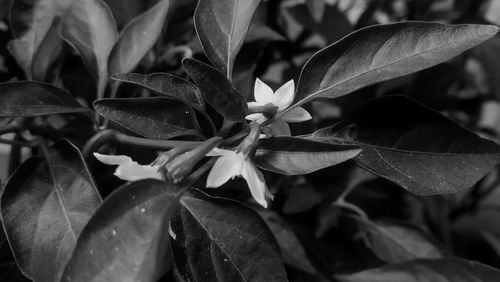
{"x": 442, "y": 270}
{"x": 377, "y": 53}
{"x": 36, "y": 27}
{"x": 295, "y": 155}
{"x": 137, "y": 38}
{"x": 222, "y": 240}
{"x": 221, "y": 26}
{"x": 30, "y": 99}
{"x": 126, "y": 239}
{"x": 414, "y": 146}
{"x": 44, "y": 207}
{"x": 396, "y": 242}
{"x": 166, "y": 85}
{"x": 216, "y": 90}
{"x": 292, "y": 250}
{"x": 90, "y": 27}
{"x": 156, "y": 118}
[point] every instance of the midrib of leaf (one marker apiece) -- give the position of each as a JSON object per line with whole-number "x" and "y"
{"x": 230, "y": 41}
{"x": 314, "y": 94}
{"x": 214, "y": 240}
{"x": 57, "y": 190}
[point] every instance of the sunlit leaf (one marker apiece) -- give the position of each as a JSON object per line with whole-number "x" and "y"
{"x": 222, "y": 240}
{"x": 156, "y": 117}
{"x": 216, "y": 90}
{"x": 295, "y": 155}
{"x": 443, "y": 270}
{"x": 382, "y": 52}
{"x": 90, "y": 27}
{"x": 166, "y": 85}
{"x": 29, "y": 99}
{"x": 137, "y": 38}
{"x": 221, "y": 26}
{"x": 44, "y": 207}
{"x": 127, "y": 238}
{"x": 397, "y": 241}
{"x": 414, "y": 146}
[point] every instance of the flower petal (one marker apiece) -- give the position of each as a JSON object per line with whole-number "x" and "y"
{"x": 224, "y": 168}
{"x": 134, "y": 171}
{"x": 256, "y": 183}
{"x": 263, "y": 94}
{"x": 215, "y": 152}
{"x": 298, "y": 114}
{"x": 280, "y": 128}
{"x": 113, "y": 159}
{"x": 258, "y": 117}
{"x": 284, "y": 95}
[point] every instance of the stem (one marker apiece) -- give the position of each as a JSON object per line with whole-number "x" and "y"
{"x": 346, "y": 192}
{"x": 15, "y": 155}
{"x": 193, "y": 178}
{"x": 156, "y": 144}
{"x": 236, "y": 137}
{"x": 97, "y": 141}
{"x": 18, "y": 143}
{"x": 351, "y": 207}
{"x": 226, "y": 127}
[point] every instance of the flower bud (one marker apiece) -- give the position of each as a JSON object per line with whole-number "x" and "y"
{"x": 182, "y": 164}
{"x": 248, "y": 146}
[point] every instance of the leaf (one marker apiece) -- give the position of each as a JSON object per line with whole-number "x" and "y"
{"x": 90, "y": 27}
{"x": 36, "y": 26}
{"x": 222, "y": 240}
{"x": 167, "y": 85}
{"x": 316, "y": 8}
{"x": 126, "y": 239}
{"x": 30, "y": 99}
{"x": 295, "y": 155}
{"x": 381, "y": 52}
{"x": 397, "y": 241}
{"x": 216, "y": 90}
{"x": 301, "y": 198}
{"x": 44, "y": 207}
{"x": 414, "y": 146}
{"x": 442, "y": 270}
{"x": 155, "y": 118}
{"x": 292, "y": 250}
{"x": 221, "y": 26}
{"x": 137, "y": 38}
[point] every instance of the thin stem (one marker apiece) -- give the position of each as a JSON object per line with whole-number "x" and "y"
{"x": 19, "y": 143}
{"x": 236, "y": 137}
{"x": 346, "y": 192}
{"x": 226, "y": 127}
{"x": 351, "y": 207}
{"x": 156, "y": 144}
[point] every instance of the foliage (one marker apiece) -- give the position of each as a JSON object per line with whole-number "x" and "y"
{"x": 371, "y": 155}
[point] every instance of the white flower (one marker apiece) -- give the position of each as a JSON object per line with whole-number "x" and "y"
{"x": 231, "y": 164}
{"x": 282, "y": 99}
{"x": 128, "y": 169}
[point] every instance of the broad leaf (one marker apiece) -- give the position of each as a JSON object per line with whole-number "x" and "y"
{"x": 44, "y": 207}
{"x": 167, "y": 85}
{"x": 216, "y": 90}
{"x": 382, "y": 52}
{"x": 126, "y": 239}
{"x": 137, "y": 38}
{"x": 442, "y": 270}
{"x": 36, "y": 27}
{"x": 90, "y": 27}
{"x": 396, "y": 242}
{"x": 221, "y": 26}
{"x": 292, "y": 250}
{"x": 295, "y": 155}
{"x": 222, "y": 240}
{"x": 414, "y": 146}
{"x": 29, "y": 99}
{"x": 156, "y": 118}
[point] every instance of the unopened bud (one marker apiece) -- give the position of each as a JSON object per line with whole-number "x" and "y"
{"x": 180, "y": 166}
{"x": 268, "y": 110}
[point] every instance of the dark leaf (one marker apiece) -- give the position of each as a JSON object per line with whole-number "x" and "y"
{"x": 301, "y": 198}
{"x": 167, "y": 85}
{"x": 221, "y": 26}
{"x": 126, "y": 239}
{"x": 156, "y": 118}
{"x": 44, "y": 207}
{"x": 292, "y": 250}
{"x": 382, "y": 52}
{"x": 443, "y": 270}
{"x": 222, "y": 240}
{"x": 137, "y": 38}
{"x": 89, "y": 26}
{"x": 216, "y": 90}
{"x": 397, "y": 241}
{"x": 29, "y": 99}
{"x": 414, "y": 146}
{"x": 295, "y": 155}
